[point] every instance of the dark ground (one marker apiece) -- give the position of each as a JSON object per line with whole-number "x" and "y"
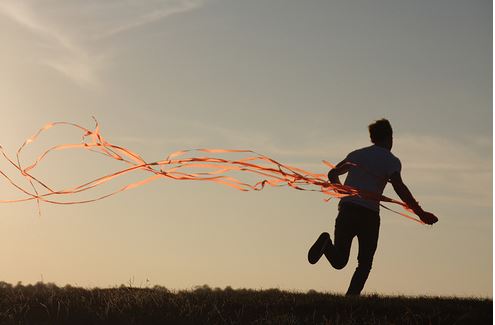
{"x": 49, "y": 304}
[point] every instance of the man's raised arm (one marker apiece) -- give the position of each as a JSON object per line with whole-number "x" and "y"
{"x": 334, "y": 173}
{"x": 403, "y": 192}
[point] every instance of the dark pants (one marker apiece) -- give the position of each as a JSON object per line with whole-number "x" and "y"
{"x": 354, "y": 220}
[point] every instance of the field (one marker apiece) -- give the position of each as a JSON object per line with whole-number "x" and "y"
{"x": 49, "y": 304}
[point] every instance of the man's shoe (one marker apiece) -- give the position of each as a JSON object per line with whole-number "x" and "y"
{"x": 318, "y": 249}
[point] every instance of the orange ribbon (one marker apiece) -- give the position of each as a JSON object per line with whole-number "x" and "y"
{"x": 175, "y": 166}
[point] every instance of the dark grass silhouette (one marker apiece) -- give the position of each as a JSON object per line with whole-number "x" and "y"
{"x": 49, "y": 304}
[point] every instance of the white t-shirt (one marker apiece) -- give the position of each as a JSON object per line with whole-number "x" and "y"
{"x": 376, "y": 165}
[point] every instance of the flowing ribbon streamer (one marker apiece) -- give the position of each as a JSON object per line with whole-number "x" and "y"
{"x": 175, "y": 166}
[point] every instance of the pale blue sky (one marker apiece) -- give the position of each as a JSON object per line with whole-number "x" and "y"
{"x": 297, "y": 81}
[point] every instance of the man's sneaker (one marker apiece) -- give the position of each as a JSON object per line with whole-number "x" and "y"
{"x": 318, "y": 249}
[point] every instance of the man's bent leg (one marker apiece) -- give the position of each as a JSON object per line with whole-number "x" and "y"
{"x": 345, "y": 230}
{"x": 368, "y": 240}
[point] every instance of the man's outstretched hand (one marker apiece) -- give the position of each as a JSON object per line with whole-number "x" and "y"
{"x": 428, "y": 218}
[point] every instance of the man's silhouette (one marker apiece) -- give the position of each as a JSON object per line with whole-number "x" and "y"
{"x": 368, "y": 169}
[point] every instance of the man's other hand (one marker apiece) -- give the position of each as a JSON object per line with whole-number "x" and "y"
{"x": 428, "y": 218}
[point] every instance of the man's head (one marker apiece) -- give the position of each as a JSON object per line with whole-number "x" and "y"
{"x": 381, "y": 133}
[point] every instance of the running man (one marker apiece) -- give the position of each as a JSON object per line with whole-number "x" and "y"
{"x": 376, "y": 166}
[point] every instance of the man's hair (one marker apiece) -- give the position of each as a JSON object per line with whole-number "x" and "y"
{"x": 380, "y": 130}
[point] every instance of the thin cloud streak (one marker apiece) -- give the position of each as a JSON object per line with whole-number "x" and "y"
{"x": 428, "y": 161}
{"x": 152, "y": 17}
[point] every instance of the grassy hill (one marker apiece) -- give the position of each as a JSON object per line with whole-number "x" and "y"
{"x": 49, "y": 304}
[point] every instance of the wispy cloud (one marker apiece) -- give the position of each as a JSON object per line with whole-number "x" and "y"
{"x": 153, "y": 16}
{"x": 433, "y": 166}
{"x": 68, "y": 31}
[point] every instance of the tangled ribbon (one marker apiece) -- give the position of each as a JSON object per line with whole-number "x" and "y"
{"x": 175, "y": 167}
